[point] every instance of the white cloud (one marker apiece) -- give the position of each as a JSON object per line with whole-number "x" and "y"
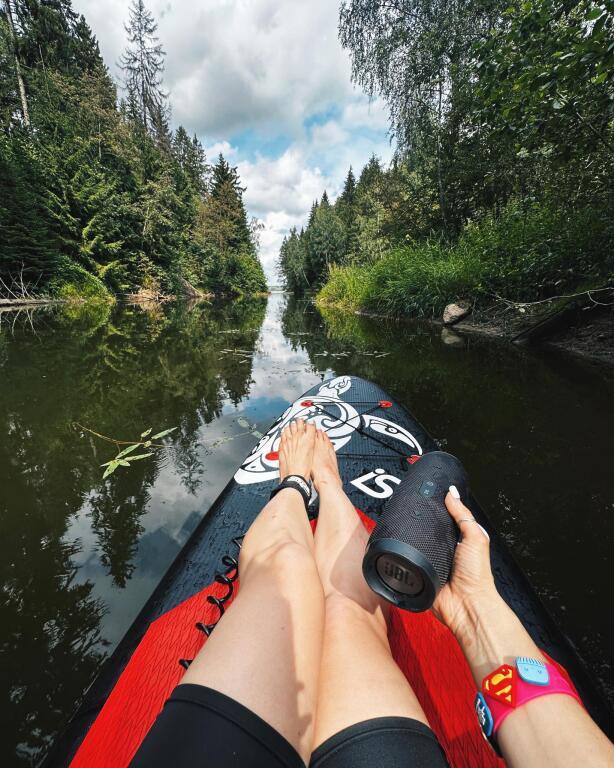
{"x": 270, "y": 70}
{"x": 223, "y": 147}
{"x": 281, "y": 190}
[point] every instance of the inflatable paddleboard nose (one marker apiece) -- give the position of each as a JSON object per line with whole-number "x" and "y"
{"x": 409, "y": 555}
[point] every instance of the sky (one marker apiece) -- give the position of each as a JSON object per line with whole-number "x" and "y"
{"x": 267, "y": 83}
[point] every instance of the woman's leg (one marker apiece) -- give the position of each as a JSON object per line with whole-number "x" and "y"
{"x": 359, "y": 680}
{"x": 265, "y": 651}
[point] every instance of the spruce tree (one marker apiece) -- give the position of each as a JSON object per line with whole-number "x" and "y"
{"x": 347, "y": 211}
{"x": 191, "y": 157}
{"x": 312, "y": 213}
{"x": 235, "y": 265}
{"x": 14, "y": 45}
{"x": 143, "y": 65}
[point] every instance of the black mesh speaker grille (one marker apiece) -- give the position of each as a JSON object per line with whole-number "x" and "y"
{"x": 422, "y": 520}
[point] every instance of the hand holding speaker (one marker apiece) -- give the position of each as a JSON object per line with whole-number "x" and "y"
{"x": 471, "y": 579}
{"x": 414, "y": 549}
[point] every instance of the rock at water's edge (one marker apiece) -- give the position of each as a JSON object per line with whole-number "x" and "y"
{"x": 453, "y": 313}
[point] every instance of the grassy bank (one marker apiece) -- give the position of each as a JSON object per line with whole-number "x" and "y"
{"x": 522, "y": 254}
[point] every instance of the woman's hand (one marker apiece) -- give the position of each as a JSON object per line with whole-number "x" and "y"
{"x": 471, "y": 582}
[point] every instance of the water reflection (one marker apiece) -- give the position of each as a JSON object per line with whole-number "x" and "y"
{"x": 79, "y": 556}
{"x": 72, "y": 544}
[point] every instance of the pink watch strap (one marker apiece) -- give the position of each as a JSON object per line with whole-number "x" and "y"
{"x": 524, "y": 691}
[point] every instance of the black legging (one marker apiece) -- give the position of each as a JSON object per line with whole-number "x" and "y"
{"x": 202, "y": 728}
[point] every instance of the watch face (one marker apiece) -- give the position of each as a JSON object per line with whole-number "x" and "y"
{"x": 483, "y": 714}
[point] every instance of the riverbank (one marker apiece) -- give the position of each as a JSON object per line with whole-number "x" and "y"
{"x": 585, "y": 329}
{"x": 143, "y": 297}
{"x": 588, "y": 332}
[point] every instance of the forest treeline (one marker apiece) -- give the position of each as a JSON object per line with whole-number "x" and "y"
{"x": 97, "y": 194}
{"x": 502, "y": 179}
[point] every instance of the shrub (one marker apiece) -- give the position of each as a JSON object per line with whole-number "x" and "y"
{"x": 525, "y": 253}
{"x": 74, "y": 283}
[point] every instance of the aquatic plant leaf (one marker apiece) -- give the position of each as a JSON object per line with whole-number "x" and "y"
{"x": 112, "y": 466}
{"x": 146, "y": 432}
{"x": 164, "y": 433}
{"x": 127, "y": 450}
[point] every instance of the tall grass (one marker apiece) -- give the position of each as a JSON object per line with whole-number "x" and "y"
{"x": 522, "y": 254}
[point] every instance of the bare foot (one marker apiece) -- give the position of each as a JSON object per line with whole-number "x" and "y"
{"x": 325, "y": 470}
{"x": 296, "y": 449}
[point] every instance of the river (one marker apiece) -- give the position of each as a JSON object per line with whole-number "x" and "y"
{"x": 79, "y": 556}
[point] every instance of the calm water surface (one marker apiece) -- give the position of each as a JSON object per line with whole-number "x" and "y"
{"x": 79, "y": 556}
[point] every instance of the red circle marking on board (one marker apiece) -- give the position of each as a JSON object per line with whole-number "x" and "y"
{"x": 385, "y": 404}
{"x": 272, "y": 456}
{"x": 307, "y": 403}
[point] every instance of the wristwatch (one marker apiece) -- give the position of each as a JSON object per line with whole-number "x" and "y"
{"x": 512, "y": 685}
{"x": 299, "y": 484}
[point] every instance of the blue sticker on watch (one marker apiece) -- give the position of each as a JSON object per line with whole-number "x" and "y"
{"x": 532, "y": 671}
{"x": 483, "y": 714}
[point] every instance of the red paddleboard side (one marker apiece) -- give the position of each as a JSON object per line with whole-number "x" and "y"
{"x": 146, "y": 682}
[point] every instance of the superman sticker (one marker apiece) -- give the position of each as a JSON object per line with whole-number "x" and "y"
{"x": 501, "y": 685}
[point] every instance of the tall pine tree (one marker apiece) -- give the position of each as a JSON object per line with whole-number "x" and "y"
{"x": 143, "y": 66}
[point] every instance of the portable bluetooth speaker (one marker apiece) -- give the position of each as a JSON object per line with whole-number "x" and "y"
{"x": 410, "y": 552}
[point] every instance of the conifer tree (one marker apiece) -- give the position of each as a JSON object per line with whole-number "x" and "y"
{"x": 190, "y": 155}
{"x": 100, "y": 197}
{"x": 143, "y": 65}
{"x": 347, "y": 210}
{"x": 17, "y": 63}
{"x": 312, "y": 213}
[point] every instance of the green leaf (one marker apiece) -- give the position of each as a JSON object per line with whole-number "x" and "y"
{"x": 163, "y": 433}
{"x": 136, "y": 458}
{"x": 557, "y": 105}
{"x": 127, "y": 450}
{"x": 146, "y": 432}
{"x": 600, "y": 78}
{"x": 124, "y": 463}
{"x": 110, "y": 469}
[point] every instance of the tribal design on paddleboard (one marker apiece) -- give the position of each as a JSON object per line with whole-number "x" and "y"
{"x": 329, "y": 413}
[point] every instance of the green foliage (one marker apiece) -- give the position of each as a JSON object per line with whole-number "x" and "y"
{"x": 74, "y": 283}
{"x": 231, "y": 264}
{"x": 104, "y": 187}
{"x": 325, "y": 242}
{"x": 502, "y": 180}
{"x": 548, "y": 77}
{"x": 523, "y": 253}
{"x": 292, "y": 257}
{"x": 127, "y": 455}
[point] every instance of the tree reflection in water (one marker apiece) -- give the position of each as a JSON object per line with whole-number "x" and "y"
{"x": 118, "y": 371}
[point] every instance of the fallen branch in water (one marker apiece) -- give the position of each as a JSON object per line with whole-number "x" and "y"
{"x": 127, "y": 455}
{"x": 17, "y": 292}
{"x": 527, "y": 304}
